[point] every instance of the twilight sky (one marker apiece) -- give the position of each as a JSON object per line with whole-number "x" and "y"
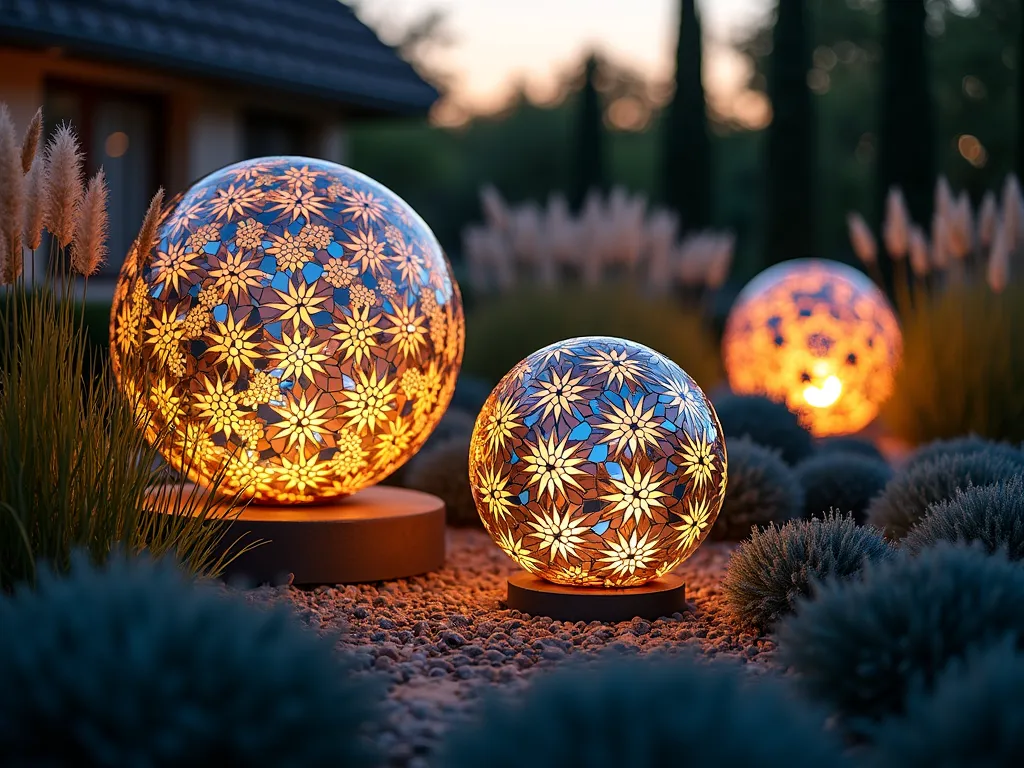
{"x": 500, "y": 42}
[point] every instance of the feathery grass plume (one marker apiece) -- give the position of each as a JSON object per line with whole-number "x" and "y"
{"x": 762, "y": 490}
{"x": 896, "y": 231}
{"x": 960, "y": 227}
{"x": 973, "y": 717}
{"x": 1013, "y": 203}
{"x": 30, "y": 141}
{"x": 988, "y": 219}
{"x": 940, "y": 242}
{"x": 863, "y": 241}
{"x": 778, "y": 566}
{"x": 991, "y": 516}
{"x": 12, "y": 196}
{"x": 147, "y": 232}
{"x": 918, "y": 249}
{"x": 64, "y": 186}
{"x": 35, "y": 189}
{"x": 943, "y": 196}
{"x": 907, "y": 496}
{"x": 77, "y": 470}
{"x": 89, "y": 249}
{"x": 997, "y": 273}
{"x": 863, "y": 645}
{"x": 658, "y": 710}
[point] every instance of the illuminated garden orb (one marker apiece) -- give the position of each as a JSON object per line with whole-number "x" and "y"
{"x": 296, "y": 324}
{"x": 818, "y": 336}
{"x": 598, "y": 462}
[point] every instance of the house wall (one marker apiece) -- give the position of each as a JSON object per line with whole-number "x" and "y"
{"x": 204, "y": 125}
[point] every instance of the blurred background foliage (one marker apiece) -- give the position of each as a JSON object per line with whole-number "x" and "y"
{"x": 529, "y": 150}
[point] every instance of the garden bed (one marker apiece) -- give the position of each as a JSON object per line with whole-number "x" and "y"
{"x": 445, "y": 638}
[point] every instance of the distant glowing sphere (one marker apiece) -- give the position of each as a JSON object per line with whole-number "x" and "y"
{"x": 296, "y": 329}
{"x": 818, "y": 336}
{"x": 598, "y": 462}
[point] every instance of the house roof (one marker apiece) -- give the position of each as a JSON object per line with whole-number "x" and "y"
{"x": 309, "y": 47}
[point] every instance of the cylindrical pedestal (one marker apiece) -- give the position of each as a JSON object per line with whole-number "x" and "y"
{"x": 377, "y": 534}
{"x": 537, "y": 597}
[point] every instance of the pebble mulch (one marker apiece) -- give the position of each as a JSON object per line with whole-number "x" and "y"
{"x": 446, "y": 638}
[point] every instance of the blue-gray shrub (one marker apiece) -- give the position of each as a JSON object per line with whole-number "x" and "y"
{"x": 136, "y": 665}
{"x": 861, "y": 646}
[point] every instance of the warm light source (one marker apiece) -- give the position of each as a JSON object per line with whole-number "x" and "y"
{"x": 598, "y": 462}
{"x": 818, "y": 336}
{"x": 296, "y": 324}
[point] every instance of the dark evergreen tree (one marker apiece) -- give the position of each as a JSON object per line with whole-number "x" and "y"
{"x": 686, "y": 163}
{"x": 1020, "y": 92}
{"x": 589, "y": 167}
{"x": 791, "y": 150}
{"x": 906, "y": 156}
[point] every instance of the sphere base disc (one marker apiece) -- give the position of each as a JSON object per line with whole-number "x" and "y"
{"x": 377, "y": 534}
{"x": 537, "y": 597}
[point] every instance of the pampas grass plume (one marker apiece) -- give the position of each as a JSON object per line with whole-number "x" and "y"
{"x": 998, "y": 273}
{"x": 940, "y": 241}
{"x": 147, "y": 232}
{"x": 89, "y": 249}
{"x": 896, "y": 231}
{"x": 30, "y": 143}
{"x": 961, "y": 227}
{"x": 12, "y": 201}
{"x": 35, "y": 188}
{"x": 988, "y": 219}
{"x": 863, "y": 241}
{"x": 64, "y": 187}
{"x": 918, "y": 252}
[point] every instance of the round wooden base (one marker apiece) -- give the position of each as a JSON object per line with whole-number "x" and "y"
{"x": 377, "y": 534}
{"x": 531, "y": 594}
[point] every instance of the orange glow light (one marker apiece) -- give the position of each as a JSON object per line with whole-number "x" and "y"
{"x": 296, "y": 325}
{"x": 818, "y": 336}
{"x": 598, "y": 462}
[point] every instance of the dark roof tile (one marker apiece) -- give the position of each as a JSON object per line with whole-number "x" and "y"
{"x": 314, "y": 47}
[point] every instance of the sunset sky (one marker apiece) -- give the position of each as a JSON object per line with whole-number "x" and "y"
{"x": 497, "y": 44}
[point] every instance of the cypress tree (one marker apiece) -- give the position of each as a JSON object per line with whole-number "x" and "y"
{"x": 1020, "y": 92}
{"x": 686, "y": 166}
{"x": 906, "y": 156}
{"x": 588, "y": 171}
{"x": 791, "y": 146}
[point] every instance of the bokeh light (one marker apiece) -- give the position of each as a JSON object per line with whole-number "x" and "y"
{"x": 818, "y": 336}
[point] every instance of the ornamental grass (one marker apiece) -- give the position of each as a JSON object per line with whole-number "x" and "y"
{"x": 76, "y": 468}
{"x": 960, "y": 299}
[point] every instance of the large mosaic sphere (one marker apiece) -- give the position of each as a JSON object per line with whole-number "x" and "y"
{"x": 818, "y": 336}
{"x": 296, "y": 332}
{"x": 598, "y": 462}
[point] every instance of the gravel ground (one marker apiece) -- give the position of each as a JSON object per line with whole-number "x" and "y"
{"x": 445, "y": 638}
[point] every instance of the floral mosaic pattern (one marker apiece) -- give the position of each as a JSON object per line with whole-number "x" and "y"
{"x": 598, "y": 462}
{"x": 818, "y": 336}
{"x": 297, "y": 324}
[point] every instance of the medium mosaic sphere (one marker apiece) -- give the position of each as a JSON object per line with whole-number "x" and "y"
{"x": 818, "y": 336}
{"x": 598, "y": 462}
{"x": 295, "y": 331}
